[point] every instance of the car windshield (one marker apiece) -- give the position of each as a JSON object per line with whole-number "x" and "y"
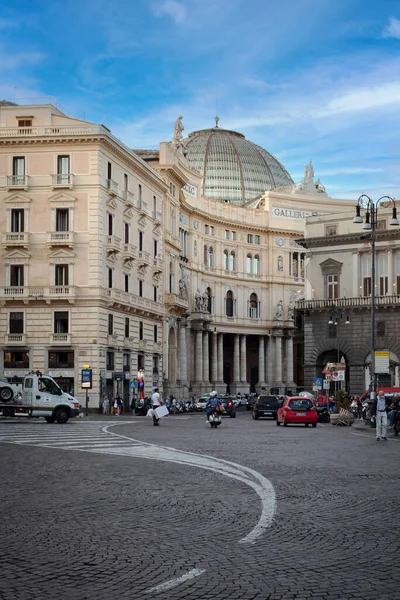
{"x": 268, "y": 402}
{"x": 302, "y": 404}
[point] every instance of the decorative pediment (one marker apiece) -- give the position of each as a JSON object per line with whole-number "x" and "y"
{"x": 157, "y": 276}
{"x": 61, "y": 256}
{"x": 111, "y": 203}
{"x": 111, "y": 257}
{"x": 17, "y": 257}
{"x": 128, "y": 212}
{"x": 17, "y": 199}
{"x": 142, "y": 269}
{"x": 331, "y": 266}
{"x": 63, "y": 197}
{"x": 142, "y": 221}
{"x": 128, "y": 263}
{"x": 157, "y": 230}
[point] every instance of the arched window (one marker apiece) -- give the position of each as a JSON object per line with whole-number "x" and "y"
{"x": 225, "y": 260}
{"x": 229, "y": 304}
{"x": 211, "y": 258}
{"x": 171, "y": 278}
{"x": 232, "y": 261}
{"x": 210, "y": 301}
{"x": 249, "y": 264}
{"x": 205, "y": 255}
{"x": 253, "y": 307}
{"x": 256, "y": 265}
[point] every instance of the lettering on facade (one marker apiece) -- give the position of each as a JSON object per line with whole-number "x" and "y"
{"x": 190, "y": 189}
{"x": 289, "y": 213}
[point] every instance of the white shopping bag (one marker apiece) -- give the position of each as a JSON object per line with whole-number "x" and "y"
{"x": 161, "y": 411}
{"x": 150, "y": 413}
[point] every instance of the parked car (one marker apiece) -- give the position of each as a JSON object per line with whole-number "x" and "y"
{"x": 265, "y": 406}
{"x": 201, "y": 403}
{"x": 251, "y": 401}
{"x": 297, "y": 409}
{"x": 229, "y": 407}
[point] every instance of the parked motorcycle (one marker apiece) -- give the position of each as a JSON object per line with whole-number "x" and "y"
{"x": 323, "y": 413}
{"x": 214, "y": 419}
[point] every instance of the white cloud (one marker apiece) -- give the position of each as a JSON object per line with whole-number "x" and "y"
{"x": 12, "y": 60}
{"x": 174, "y": 9}
{"x": 392, "y": 30}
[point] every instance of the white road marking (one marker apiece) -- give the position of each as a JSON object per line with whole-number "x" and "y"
{"x": 174, "y": 582}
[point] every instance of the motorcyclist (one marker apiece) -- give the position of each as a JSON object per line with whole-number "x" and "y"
{"x": 213, "y": 404}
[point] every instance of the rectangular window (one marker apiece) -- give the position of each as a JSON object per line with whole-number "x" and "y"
{"x": 24, "y": 122}
{"x": 367, "y": 286}
{"x": 155, "y": 248}
{"x": 383, "y": 286}
{"x": 17, "y": 220}
{"x": 126, "y": 362}
{"x": 140, "y": 287}
{"x": 140, "y": 194}
{"x": 127, "y": 330}
{"x": 211, "y": 230}
{"x": 332, "y": 285}
{"x": 257, "y": 239}
{"x": 16, "y": 275}
{"x": 206, "y": 229}
{"x": 61, "y": 322}
{"x": 63, "y": 169}
{"x": 125, "y": 182}
{"x": 140, "y": 240}
{"x": 61, "y": 275}
{"x": 18, "y": 170}
{"x": 398, "y": 285}
{"x": 110, "y": 361}
{"x": 126, "y": 282}
{"x": 155, "y": 293}
{"x": 110, "y": 324}
{"x": 16, "y": 360}
{"x": 62, "y": 219}
{"x": 233, "y": 235}
{"x": 109, "y": 277}
{"x": 249, "y": 238}
{"x": 61, "y": 360}
{"x": 226, "y": 234}
{"x": 140, "y": 330}
{"x": 109, "y": 171}
{"x": 126, "y": 233}
{"x": 154, "y": 205}
{"x": 16, "y": 322}
{"x": 110, "y": 222}
{"x": 155, "y": 334}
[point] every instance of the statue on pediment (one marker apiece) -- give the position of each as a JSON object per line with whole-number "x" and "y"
{"x": 279, "y": 311}
{"x": 198, "y": 301}
{"x": 178, "y": 129}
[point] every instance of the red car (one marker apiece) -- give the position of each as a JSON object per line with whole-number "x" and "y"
{"x": 297, "y": 409}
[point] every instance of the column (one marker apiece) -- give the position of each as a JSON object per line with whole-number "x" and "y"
{"x": 220, "y": 357}
{"x": 261, "y": 359}
{"x": 356, "y": 275}
{"x": 182, "y": 352}
{"x": 206, "y": 364}
{"x": 278, "y": 355}
{"x": 269, "y": 374}
{"x": 289, "y": 361}
{"x": 236, "y": 374}
{"x": 243, "y": 362}
{"x": 199, "y": 355}
{"x": 214, "y": 363}
{"x": 391, "y": 287}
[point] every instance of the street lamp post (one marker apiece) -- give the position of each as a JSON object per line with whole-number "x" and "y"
{"x": 370, "y": 224}
{"x": 335, "y": 316}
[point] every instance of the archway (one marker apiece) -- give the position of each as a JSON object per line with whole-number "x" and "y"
{"x": 172, "y": 359}
{"x": 332, "y": 356}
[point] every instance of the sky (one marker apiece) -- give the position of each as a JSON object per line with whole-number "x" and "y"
{"x": 305, "y": 79}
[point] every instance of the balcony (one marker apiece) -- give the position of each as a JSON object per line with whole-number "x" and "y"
{"x": 157, "y": 216}
{"x": 142, "y": 206}
{"x": 144, "y": 257}
{"x": 17, "y": 182}
{"x": 13, "y": 132}
{"x": 129, "y": 198}
{"x": 173, "y": 300}
{"x": 356, "y": 302}
{"x": 60, "y": 238}
{"x": 60, "y": 292}
{"x": 62, "y": 180}
{"x": 113, "y": 244}
{"x": 129, "y": 252}
{"x": 16, "y": 239}
{"x": 56, "y": 292}
{"x": 158, "y": 265}
{"x": 112, "y": 187}
{"x": 15, "y": 339}
{"x": 132, "y": 300}
{"x": 63, "y": 339}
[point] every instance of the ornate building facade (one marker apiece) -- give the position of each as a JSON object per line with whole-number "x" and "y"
{"x": 181, "y": 262}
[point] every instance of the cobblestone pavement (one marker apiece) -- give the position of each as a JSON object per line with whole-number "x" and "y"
{"x": 85, "y": 517}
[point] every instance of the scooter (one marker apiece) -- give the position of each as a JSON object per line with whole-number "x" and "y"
{"x": 214, "y": 419}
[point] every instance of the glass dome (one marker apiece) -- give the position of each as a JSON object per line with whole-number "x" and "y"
{"x": 234, "y": 170}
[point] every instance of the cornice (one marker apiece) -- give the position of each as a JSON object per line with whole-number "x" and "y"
{"x": 347, "y": 238}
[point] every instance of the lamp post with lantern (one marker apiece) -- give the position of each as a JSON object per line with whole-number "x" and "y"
{"x": 370, "y": 224}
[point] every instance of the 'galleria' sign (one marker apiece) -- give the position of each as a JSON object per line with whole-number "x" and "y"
{"x": 289, "y": 213}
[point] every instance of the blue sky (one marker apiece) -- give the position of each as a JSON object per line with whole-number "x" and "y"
{"x": 305, "y": 79}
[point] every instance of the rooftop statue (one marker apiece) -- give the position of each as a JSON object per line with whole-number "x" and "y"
{"x": 307, "y": 185}
{"x": 178, "y": 129}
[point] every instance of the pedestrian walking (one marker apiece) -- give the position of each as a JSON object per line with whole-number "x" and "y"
{"x": 155, "y": 403}
{"x": 115, "y": 405}
{"x": 378, "y": 411}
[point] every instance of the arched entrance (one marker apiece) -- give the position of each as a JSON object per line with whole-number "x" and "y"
{"x": 331, "y": 356}
{"x": 172, "y": 361}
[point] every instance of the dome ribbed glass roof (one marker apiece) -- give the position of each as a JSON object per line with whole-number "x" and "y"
{"x": 234, "y": 170}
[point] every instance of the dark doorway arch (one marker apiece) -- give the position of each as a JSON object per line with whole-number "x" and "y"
{"x": 332, "y": 356}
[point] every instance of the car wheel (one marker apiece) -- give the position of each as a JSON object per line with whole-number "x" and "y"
{"x": 6, "y": 394}
{"x": 314, "y": 424}
{"x": 50, "y": 419}
{"x": 306, "y": 424}
{"x": 234, "y": 415}
{"x": 278, "y": 423}
{"x": 62, "y": 415}
{"x": 285, "y": 423}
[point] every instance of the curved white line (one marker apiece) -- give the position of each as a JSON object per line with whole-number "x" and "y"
{"x": 262, "y": 486}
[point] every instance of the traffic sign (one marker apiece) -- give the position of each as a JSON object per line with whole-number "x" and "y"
{"x": 132, "y": 384}
{"x": 327, "y": 384}
{"x": 317, "y": 383}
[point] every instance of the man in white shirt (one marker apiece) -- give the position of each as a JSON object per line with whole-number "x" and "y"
{"x": 155, "y": 403}
{"x": 379, "y": 410}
